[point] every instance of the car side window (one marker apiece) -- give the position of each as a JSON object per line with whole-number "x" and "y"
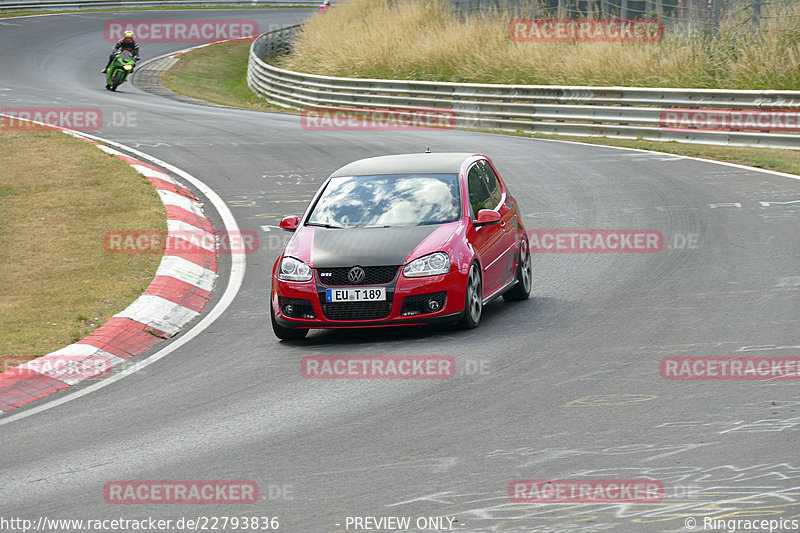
{"x": 479, "y": 195}
{"x": 492, "y": 183}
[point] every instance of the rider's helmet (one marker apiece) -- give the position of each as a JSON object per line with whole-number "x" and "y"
{"x": 128, "y": 36}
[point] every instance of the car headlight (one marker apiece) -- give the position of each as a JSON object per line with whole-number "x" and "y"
{"x": 293, "y": 270}
{"x": 429, "y": 265}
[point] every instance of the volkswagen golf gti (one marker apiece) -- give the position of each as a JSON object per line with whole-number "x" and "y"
{"x": 398, "y": 240}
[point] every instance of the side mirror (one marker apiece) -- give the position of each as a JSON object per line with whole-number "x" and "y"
{"x": 487, "y": 217}
{"x": 289, "y": 223}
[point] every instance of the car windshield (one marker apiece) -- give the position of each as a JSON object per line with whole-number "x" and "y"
{"x": 388, "y": 200}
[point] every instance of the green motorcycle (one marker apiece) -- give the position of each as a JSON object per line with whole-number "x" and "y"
{"x": 121, "y": 66}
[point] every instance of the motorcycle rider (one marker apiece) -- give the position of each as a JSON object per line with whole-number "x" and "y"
{"x": 126, "y": 43}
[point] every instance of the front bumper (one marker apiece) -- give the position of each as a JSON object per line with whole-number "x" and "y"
{"x": 406, "y": 303}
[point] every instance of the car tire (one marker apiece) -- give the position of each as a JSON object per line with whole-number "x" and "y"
{"x": 522, "y": 290}
{"x": 286, "y": 334}
{"x": 473, "y": 300}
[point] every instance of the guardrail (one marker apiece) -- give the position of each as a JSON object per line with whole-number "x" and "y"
{"x": 278, "y": 44}
{"x": 623, "y": 112}
{"x": 24, "y": 5}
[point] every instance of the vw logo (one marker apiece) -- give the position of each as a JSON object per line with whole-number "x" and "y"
{"x": 356, "y": 275}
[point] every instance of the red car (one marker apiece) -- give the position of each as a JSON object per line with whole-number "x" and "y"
{"x": 401, "y": 240}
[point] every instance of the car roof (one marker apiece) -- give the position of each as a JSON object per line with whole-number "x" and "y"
{"x": 422, "y": 163}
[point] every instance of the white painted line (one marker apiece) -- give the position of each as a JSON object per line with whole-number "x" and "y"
{"x": 725, "y": 163}
{"x": 238, "y": 266}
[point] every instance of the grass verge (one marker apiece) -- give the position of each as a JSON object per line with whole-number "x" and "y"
{"x": 58, "y": 197}
{"x": 217, "y": 74}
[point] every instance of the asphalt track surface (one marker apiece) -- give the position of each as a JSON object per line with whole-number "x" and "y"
{"x": 569, "y": 383}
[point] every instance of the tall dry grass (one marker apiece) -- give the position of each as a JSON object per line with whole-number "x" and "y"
{"x": 420, "y": 39}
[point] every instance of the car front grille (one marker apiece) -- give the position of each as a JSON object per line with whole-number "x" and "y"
{"x": 375, "y": 275}
{"x": 356, "y": 310}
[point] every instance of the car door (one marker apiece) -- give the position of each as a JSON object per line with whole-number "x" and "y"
{"x": 487, "y": 240}
{"x": 508, "y": 223}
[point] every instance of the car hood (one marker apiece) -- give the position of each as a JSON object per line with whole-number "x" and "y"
{"x": 330, "y": 248}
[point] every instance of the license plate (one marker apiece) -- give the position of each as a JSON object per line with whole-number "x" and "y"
{"x": 375, "y": 294}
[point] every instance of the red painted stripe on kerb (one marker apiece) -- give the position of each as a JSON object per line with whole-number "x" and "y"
{"x": 180, "y": 292}
{"x": 124, "y": 337}
{"x": 18, "y": 387}
{"x": 165, "y": 185}
{"x": 178, "y": 213}
{"x": 131, "y": 161}
{"x": 192, "y": 252}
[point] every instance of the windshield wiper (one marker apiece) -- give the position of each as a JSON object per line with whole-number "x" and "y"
{"x": 321, "y": 225}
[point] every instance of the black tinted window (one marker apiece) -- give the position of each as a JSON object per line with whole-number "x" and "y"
{"x": 479, "y": 196}
{"x": 492, "y": 183}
